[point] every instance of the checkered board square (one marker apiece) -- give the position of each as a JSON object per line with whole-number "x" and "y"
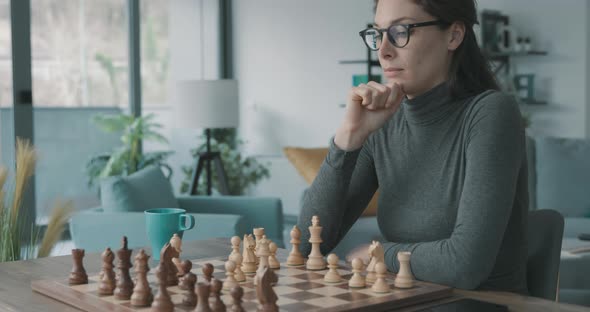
{"x": 298, "y": 289}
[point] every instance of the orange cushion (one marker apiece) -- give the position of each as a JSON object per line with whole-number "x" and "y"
{"x": 307, "y": 161}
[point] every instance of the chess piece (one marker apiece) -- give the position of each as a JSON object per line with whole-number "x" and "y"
{"x": 162, "y": 300}
{"x": 380, "y": 285}
{"x": 185, "y": 280}
{"x": 404, "y": 278}
{"x": 78, "y": 274}
{"x": 315, "y": 259}
{"x": 357, "y": 280}
{"x": 376, "y": 254}
{"x": 273, "y": 262}
{"x": 237, "y": 293}
{"x": 217, "y": 305}
{"x": 183, "y": 268}
{"x": 263, "y": 254}
{"x": 203, "y": 291}
{"x": 258, "y": 233}
{"x": 235, "y": 245}
{"x": 207, "y": 271}
{"x": 332, "y": 276}
{"x": 142, "y": 293}
{"x": 107, "y": 280}
{"x": 264, "y": 291}
{"x": 124, "y": 287}
{"x": 295, "y": 258}
{"x": 188, "y": 281}
{"x": 248, "y": 257}
{"x": 230, "y": 280}
{"x": 238, "y": 274}
{"x": 175, "y": 243}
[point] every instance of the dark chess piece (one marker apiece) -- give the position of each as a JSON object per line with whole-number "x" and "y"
{"x": 124, "y": 287}
{"x": 78, "y": 274}
{"x": 172, "y": 271}
{"x": 107, "y": 276}
{"x": 208, "y": 271}
{"x": 142, "y": 293}
{"x": 217, "y": 305}
{"x": 203, "y": 291}
{"x": 237, "y": 293}
{"x": 267, "y": 297}
{"x": 184, "y": 268}
{"x": 188, "y": 281}
{"x": 162, "y": 301}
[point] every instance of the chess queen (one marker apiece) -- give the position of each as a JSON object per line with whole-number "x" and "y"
{"x": 444, "y": 147}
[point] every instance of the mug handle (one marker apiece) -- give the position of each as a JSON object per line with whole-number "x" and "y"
{"x": 183, "y": 218}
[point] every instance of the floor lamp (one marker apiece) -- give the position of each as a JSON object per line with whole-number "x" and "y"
{"x": 207, "y": 104}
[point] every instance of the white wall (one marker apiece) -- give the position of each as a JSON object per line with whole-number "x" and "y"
{"x": 587, "y": 87}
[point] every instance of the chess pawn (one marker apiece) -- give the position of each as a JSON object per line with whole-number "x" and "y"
{"x": 235, "y": 243}
{"x": 190, "y": 297}
{"x": 332, "y": 276}
{"x": 142, "y": 293}
{"x": 107, "y": 280}
{"x": 404, "y": 278}
{"x": 380, "y": 285}
{"x": 258, "y": 233}
{"x": 237, "y": 293}
{"x": 207, "y": 272}
{"x": 357, "y": 280}
{"x": 238, "y": 274}
{"x": 295, "y": 257}
{"x": 78, "y": 274}
{"x": 230, "y": 280}
{"x": 203, "y": 290}
{"x": 315, "y": 260}
{"x": 263, "y": 254}
{"x": 217, "y": 305}
{"x": 184, "y": 267}
{"x": 273, "y": 262}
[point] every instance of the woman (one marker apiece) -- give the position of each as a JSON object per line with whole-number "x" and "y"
{"x": 445, "y": 148}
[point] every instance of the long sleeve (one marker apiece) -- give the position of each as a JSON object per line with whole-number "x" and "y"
{"x": 342, "y": 189}
{"x": 494, "y": 153}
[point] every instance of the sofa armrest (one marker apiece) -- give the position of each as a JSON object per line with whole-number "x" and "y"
{"x": 95, "y": 231}
{"x": 266, "y": 212}
{"x": 574, "y": 226}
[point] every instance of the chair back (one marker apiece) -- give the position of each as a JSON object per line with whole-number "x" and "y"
{"x": 545, "y": 233}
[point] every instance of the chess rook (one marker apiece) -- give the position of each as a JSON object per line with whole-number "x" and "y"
{"x": 404, "y": 278}
{"x": 315, "y": 260}
{"x": 78, "y": 274}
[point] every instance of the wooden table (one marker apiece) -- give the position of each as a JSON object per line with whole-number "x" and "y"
{"x": 16, "y": 277}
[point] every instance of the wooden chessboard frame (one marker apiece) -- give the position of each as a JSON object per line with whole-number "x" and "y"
{"x": 60, "y": 290}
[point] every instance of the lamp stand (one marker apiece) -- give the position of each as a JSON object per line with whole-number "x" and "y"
{"x": 206, "y": 158}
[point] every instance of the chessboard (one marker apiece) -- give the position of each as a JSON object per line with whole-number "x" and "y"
{"x": 298, "y": 289}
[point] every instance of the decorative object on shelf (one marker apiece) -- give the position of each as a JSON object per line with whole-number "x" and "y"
{"x": 358, "y": 79}
{"x": 127, "y": 158}
{"x": 527, "y": 44}
{"x": 242, "y": 172}
{"x": 491, "y": 20}
{"x": 207, "y": 104}
{"x": 524, "y": 85}
{"x": 519, "y": 44}
{"x": 506, "y": 38}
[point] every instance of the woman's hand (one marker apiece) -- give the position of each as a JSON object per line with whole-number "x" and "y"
{"x": 368, "y": 107}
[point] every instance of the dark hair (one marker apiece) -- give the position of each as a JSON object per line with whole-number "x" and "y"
{"x": 470, "y": 72}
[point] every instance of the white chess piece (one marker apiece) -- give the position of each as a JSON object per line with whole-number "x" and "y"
{"x": 315, "y": 259}
{"x": 258, "y": 233}
{"x": 239, "y": 274}
{"x": 248, "y": 257}
{"x": 377, "y": 254}
{"x": 357, "y": 280}
{"x": 380, "y": 285}
{"x": 273, "y": 262}
{"x": 230, "y": 281}
{"x": 263, "y": 255}
{"x": 404, "y": 278}
{"x": 235, "y": 245}
{"x": 295, "y": 258}
{"x": 332, "y": 276}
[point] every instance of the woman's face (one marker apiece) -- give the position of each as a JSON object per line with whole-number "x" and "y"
{"x": 424, "y": 62}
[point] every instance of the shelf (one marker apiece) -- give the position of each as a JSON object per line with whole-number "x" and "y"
{"x": 532, "y": 102}
{"x": 373, "y": 63}
{"x": 504, "y": 55}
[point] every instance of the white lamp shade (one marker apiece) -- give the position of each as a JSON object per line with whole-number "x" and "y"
{"x": 206, "y": 104}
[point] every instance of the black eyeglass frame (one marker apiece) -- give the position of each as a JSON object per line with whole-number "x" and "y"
{"x": 408, "y": 27}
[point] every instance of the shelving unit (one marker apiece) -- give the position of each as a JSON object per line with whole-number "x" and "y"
{"x": 369, "y": 61}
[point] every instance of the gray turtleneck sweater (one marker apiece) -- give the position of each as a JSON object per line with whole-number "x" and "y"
{"x": 452, "y": 176}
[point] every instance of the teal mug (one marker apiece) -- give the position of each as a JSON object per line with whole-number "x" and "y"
{"x": 162, "y": 223}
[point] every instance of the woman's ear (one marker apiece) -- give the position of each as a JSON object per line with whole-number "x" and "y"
{"x": 457, "y": 33}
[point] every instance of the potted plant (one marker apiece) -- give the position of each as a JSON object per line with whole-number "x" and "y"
{"x": 19, "y": 240}
{"x": 242, "y": 172}
{"x": 127, "y": 158}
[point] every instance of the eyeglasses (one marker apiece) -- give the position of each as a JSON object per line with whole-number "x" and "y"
{"x": 397, "y": 34}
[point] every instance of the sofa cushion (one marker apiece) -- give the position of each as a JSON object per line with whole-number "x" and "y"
{"x": 308, "y": 161}
{"x": 563, "y": 175}
{"x": 142, "y": 190}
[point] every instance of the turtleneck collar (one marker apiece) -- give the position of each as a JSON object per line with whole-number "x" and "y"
{"x": 430, "y": 106}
